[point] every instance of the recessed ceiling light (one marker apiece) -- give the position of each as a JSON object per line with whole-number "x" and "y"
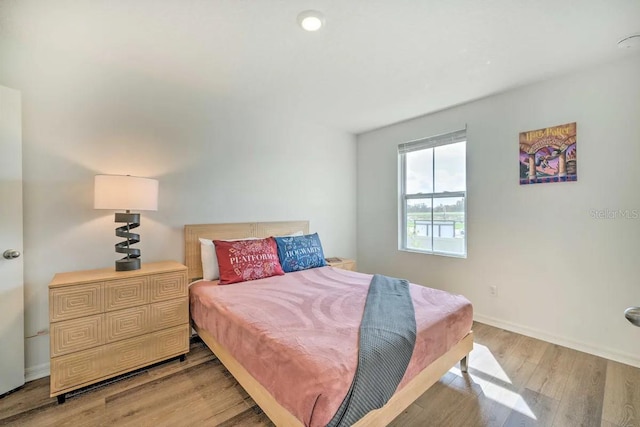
{"x": 311, "y": 20}
{"x": 630, "y": 42}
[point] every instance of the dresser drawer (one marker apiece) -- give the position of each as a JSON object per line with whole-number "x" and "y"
{"x": 75, "y": 335}
{"x": 127, "y": 323}
{"x": 348, "y": 265}
{"x": 76, "y": 369}
{"x": 168, "y": 286}
{"x": 170, "y": 342}
{"x": 128, "y": 354}
{"x": 70, "y": 302}
{"x": 124, "y": 293}
{"x": 169, "y": 313}
{"x": 342, "y": 263}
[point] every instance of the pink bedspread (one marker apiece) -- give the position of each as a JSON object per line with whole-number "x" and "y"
{"x": 297, "y": 334}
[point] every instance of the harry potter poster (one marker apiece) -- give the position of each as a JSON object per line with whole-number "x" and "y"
{"x": 548, "y": 155}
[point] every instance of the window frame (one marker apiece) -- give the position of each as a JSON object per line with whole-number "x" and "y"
{"x": 403, "y": 197}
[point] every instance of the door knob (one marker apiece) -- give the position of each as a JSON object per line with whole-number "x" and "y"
{"x": 11, "y": 254}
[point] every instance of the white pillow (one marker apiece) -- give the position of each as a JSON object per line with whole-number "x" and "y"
{"x": 210, "y": 267}
{"x": 297, "y": 233}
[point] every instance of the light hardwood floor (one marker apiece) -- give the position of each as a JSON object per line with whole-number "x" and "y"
{"x": 513, "y": 381}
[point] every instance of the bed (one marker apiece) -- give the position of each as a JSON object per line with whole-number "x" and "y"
{"x": 213, "y": 307}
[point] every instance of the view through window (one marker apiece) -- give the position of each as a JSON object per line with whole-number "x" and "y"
{"x": 433, "y": 189}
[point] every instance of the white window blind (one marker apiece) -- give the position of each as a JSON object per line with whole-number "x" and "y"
{"x": 434, "y": 141}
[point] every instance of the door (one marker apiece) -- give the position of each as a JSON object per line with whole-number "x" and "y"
{"x": 11, "y": 268}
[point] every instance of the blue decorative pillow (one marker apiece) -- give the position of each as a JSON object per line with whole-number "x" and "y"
{"x": 300, "y": 252}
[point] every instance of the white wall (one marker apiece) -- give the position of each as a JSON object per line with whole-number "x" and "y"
{"x": 216, "y": 162}
{"x": 561, "y": 275}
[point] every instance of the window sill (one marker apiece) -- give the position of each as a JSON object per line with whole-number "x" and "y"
{"x": 444, "y": 254}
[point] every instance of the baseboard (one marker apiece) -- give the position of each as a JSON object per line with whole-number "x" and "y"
{"x": 38, "y": 371}
{"x": 626, "y": 358}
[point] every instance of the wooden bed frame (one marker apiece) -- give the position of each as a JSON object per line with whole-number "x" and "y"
{"x": 278, "y": 414}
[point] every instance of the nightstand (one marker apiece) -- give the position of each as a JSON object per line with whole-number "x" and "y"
{"x": 343, "y": 263}
{"x": 105, "y": 323}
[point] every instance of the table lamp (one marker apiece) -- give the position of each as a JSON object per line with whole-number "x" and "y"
{"x": 125, "y": 192}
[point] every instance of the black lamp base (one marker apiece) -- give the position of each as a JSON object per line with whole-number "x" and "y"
{"x": 131, "y": 261}
{"x": 128, "y": 264}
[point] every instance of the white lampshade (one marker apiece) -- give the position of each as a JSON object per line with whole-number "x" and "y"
{"x": 124, "y": 192}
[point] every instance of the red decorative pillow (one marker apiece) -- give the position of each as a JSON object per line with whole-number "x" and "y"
{"x": 244, "y": 260}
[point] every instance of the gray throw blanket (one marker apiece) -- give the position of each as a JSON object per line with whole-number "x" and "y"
{"x": 387, "y": 338}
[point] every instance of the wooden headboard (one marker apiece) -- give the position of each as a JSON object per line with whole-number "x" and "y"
{"x": 240, "y": 230}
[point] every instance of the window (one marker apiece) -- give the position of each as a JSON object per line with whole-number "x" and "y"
{"x": 433, "y": 192}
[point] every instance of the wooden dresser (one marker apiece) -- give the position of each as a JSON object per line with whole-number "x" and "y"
{"x": 343, "y": 263}
{"x": 105, "y": 323}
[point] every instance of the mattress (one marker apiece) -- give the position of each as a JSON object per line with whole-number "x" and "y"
{"x": 297, "y": 334}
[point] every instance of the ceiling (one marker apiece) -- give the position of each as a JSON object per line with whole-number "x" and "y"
{"x": 375, "y": 63}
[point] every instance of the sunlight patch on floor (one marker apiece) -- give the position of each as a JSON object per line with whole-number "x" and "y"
{"x": 482, "y": 361}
